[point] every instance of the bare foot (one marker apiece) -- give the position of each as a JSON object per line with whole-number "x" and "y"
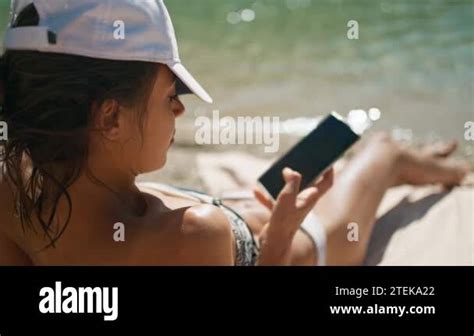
{"x": 432, "y": 164}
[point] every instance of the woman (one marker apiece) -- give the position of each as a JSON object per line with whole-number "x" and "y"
{"x": 83, "y": 122}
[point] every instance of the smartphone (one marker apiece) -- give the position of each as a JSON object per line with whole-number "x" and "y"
{"x": 313, "y": 155}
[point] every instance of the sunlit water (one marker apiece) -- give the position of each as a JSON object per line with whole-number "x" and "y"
{"x": 410, "y": 72}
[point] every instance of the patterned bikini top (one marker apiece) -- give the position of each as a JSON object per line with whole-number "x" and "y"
{"x": 247, "y": 249}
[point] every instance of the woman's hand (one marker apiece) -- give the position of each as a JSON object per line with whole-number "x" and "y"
{"x": 292, "y": 206}
{"x": 288, "y": 213}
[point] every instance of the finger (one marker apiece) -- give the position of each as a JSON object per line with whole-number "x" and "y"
{"x": 294, "y": 177}
{"x": 263, "y": 198}
{"x": 329, "y": 175}
{"x": 292, "y": 185}
{"x": 308, "y": 198}
{"x": 326, "y": 183}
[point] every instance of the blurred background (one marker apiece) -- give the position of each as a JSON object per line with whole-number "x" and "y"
{"x": 412, "y": 66}
{"x": 414, "y": 60}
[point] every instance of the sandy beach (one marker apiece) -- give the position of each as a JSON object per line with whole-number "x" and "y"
{"x": 182, "y": 168}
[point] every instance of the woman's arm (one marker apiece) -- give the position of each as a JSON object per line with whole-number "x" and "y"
{"x": 207, "y": 237}
{"x": 288, "y": 212}
{"x": 201, "y": 236}
{"x": 302, "y": 252}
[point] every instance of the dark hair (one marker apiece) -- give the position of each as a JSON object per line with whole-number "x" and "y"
{"x": 47, "y": 105}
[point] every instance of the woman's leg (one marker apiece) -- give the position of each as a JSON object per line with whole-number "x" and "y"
{"x": 361, "y": 185}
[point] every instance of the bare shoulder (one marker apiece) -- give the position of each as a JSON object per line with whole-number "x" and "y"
{"x": 205, "y": 219}
{"x": 194, "y": 235}
{"x": 206, "y": 236}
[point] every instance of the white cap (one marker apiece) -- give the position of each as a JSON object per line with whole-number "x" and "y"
{"x": 124, "y": 30}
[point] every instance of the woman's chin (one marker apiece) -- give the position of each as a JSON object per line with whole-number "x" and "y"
{"x": 162, "y": 162}
{"x": 154, "y": 166}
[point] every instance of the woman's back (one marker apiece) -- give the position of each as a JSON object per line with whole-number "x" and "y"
{"x": 172, "y": 232}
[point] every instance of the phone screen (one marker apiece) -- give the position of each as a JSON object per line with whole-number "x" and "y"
{"x": 313, "y": 155}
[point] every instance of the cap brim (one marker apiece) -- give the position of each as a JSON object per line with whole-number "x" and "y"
{"x": 190, "y": 84}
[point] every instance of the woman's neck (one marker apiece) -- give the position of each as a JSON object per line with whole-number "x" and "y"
{"x": 109, "y": 195}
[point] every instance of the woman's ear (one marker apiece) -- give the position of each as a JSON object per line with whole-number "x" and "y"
{"x": 109, "y": 119}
